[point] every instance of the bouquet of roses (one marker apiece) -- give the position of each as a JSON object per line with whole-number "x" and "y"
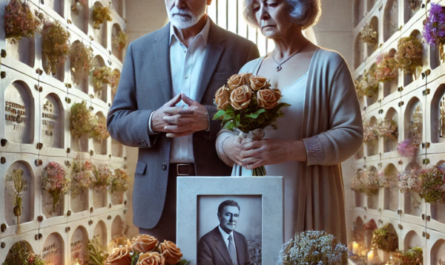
{"x": 247, "y": 105}
{"x": 55, "y": 181}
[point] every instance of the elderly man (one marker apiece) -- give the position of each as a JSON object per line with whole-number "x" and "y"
{"x": 223, "y": 245}
{"x": 164, "y": 106}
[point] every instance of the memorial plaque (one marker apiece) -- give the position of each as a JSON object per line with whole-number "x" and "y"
{"x": 79, "y": 202}
{"x": 53, "y": 250}
{"x": 52, "y": 122}
{"x": 23, "y": 51}
{"x": 79, "y": 144}
{"x": 47, "y": 205}
{"x": 100, "y": 233}
{"x": 80, "y": 18}
{"x": 117, "y": 227}
{"x": 78, "y": 246}
{"x": 56, "y": 5}
{"x": 99, "y": 197}
{"x": 114, "y": 34}
{"x": 19, "y": 113}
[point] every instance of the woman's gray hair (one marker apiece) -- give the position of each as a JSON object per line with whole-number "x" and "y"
{"x": 305, "y": 13}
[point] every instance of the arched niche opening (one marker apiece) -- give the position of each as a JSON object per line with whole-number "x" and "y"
{"x": 390, "y": 87}
{"x": 437, "y": 252}
{"x": 78, "y": 246}
{"x": 358, "y": 52}
{"x": 118, "y": 52}
{"x": 13, "y": 253}
{"x": 53, "y": 250}
{"x": 371, "y": 4}
{"x": 23, "y": 50}
{"x": 391, "y": 198}
{"x": 100, "y": 34}
{"x": 19, "y": 113}
{"x": 369, "y": 228}
{"x": 100, "y": 192}
{"x": 438, "y": 115}
{"x": 53, "y": 117}
{"x": 437, "y": 208}
{"x": 412, "y": 239}
{"x": 358, "y": 231}
{"x": 375, "y": 25}
{"x": 100, "y": 234}
{"x": 80, "y": 15}
{"x": 359, "y": 196}
{"x": 408, "y": 77}
{"x": 373, "y": 148}
{"x": 359, "y": 8}
{"x": 390, "y": 141}
{"x": 19, "y": 182}
{"x": 373, "y": 200}
{"x": 390, "y": 19}
{"x": 117, "y": 228}
{"x": 412, "y": 201}
{"x": 100, "y": 92}
{"x": 411, "y": 8}
{"x": 100, "y": 146}
{"x": 413, "y": 120}
{"x": 55, "y": 5}
{"x": 81, "y": 84}
{"x": 118, "y": 5}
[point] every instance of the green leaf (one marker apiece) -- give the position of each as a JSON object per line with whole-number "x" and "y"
{"x": 256, "y": 114}
{"x": 218, "y": 114}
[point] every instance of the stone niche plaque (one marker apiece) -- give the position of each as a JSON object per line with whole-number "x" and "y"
{"x": 47, "y": 205}
{"x": 79, "y": 201}
{"x": 413, "y": 120}
{"x": 52, "y": 122}
{"x": 437, "y": 252}
{"x": 390, "y": 143}
{"x": 412, "y": 239}
{"x": 53, "y": 250}
{"x": 99, "y": 197}
{"x": 390, "y": 19}
{"x": 100, "y": 35}
{"x": 438, "y": 116}
{"x": 60, "y": 72}
{"x": 100, "y": 92}
{"x": 19, "y": 169}
{"x": 78, "y": 246}
{"x": 115, "y": 48}
{"x": 117, "y": 198}
{"x": 117, "y": 227}
{"x": 19, "y": 113}
{"x": 391, "y": 198}
{"x": 116, "y": 148}
{"x": 118, "y": 5}
{"x": 80, "y": 16}
{"x": 100, "y": 234}
{"x": 100, "y": 147}
{"x": 23, "y": 51}
{"x": 56, "y": 5}
{"x": 373, "y": 200}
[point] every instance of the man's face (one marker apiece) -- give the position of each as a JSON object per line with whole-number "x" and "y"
{"x": 185, "y": 13}
{"x": 228, "y": 218}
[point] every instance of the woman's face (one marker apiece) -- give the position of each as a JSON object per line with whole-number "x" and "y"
{"x": 272, "y": 17}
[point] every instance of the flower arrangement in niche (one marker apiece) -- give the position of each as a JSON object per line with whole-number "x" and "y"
{"x": 96, "y": 254}
{"x": 120, "y": 181}
{"x": 21, "y": 253}
{"x": 370, "y": 133}
{"x": 81, "y": 59}
{"x": 18, "y": 185}
{"x": 386, "y": 68}
{"x": 413, "y": 256}
{"x": 369, "y": 35}
{"x": 313, "y": 247}
{"x": 434, "y": 26}
{"x": 366, "y": 181}
{"x": 432, "y": 184}
{"x": 74, "y": 4}
{"x": 120, "y": 40}
{"x": 81, "y": 120}
{"x": 19, "y": 21}
{"x": 248, "y": 105}
{"x": 388, "y": 128}
{"x": 55, "y": 181}
{"x": 385, "y": 238}
{"x": 100, "y": 131}
{"x": 415, "y": 127}
{"x": 81, "y": 174}
{"x": 55, "y": 45}
{"x": 388, "y": 179}
{"x": 100, "y": 15}
{"x": 114, "y": 81}
{"x": 367, "y": 85}
{"x": 408, "y": 148}
{"x": 101, "y": 76}
{"x": 102, "y": 177}
{"x": 409, "y": 55}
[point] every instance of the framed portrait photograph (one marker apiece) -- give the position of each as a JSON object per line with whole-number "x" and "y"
{"x": 230, "y": 220}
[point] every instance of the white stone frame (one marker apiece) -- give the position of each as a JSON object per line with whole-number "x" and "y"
{"x": 269, "y": 188}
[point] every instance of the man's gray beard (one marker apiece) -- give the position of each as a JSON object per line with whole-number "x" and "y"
{"x": 184, "y": 23}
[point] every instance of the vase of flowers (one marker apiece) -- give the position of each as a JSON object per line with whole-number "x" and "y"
{"x": 19, "y": 21}
{"x": 55, "y": 181}
{"x": 409, "y": 55}
{"x": 434, "y": 28}
{"x": 386, "y": 68}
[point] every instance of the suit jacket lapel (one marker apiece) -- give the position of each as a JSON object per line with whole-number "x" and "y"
{"x": 161, "y": 51}
{"x": 214, "y": 50}
{"x": 220, "y": 245}
{"x": 239, "y": 249}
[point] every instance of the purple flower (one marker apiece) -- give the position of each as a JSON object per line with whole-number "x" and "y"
{"x": 434, "y": 25}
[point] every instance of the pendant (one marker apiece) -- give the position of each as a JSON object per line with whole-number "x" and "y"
{"x": 279, "y": 68}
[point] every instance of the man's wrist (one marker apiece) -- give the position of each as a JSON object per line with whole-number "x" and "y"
{"x": 150, "y": 128}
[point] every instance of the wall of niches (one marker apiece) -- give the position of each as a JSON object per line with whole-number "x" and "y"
{"x": 416, "y": 223}
{"x": 35, "y": 116}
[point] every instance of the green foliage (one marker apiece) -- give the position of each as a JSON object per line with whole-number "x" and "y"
{"x": 81, "y": 120}
{"x": 19, "y": 21}
{"x": 120, "y": 41}
{"x": 55, "y": 45}
{"x": 120, "y": 181}
{"x": 100, "y": 15}
{"x": 414, "y": 256}
{"x": 101, "y": 76}
{"x": 81, "y": 59}
{"x": 96, "y": 254}
{"x": 21, "y": 253}
{"x": 385, "y": 238}
{"x": 409, "y": 54}
{"x": 100, "y": 131}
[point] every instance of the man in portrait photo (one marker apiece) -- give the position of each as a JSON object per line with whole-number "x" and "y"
{"x": 223, "y": 245}
{"x": 164, "y": 106}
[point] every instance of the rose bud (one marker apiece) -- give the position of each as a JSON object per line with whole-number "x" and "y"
{"x": 258, "y": 82}
{"x": 144, "y": 243}
{"x": 222, "y": 98}
{"x": 150, "y": 258}
{"x": 240, "y": 97}
{"x": 120, "y": 256}
{"x": 170, "y": 252}
{"x": 266, "y": 99}
{"x": 238, "y": 80}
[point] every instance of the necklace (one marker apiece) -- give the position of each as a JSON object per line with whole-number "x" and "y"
{"x": 279, "y": 64}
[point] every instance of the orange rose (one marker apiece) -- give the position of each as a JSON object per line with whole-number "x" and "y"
{"x": 258, "y": 82}
{"x": 240, "y": 97}
{"x": 238, "y": 80}
{"x": 277, "y": 93}
{"x": 222, "y": 98}
{"x": 150, "y": 258}
{"x": 266, "y": 99}
{"x": 144, "y": 243}
{"x": 120, "y": 256}
{"x": 170, "y": 252}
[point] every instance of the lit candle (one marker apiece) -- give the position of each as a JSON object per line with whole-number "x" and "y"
{"x": 370, "y": 257}
{"x": 355, "y": 248}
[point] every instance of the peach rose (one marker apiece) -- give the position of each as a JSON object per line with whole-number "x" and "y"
{"x": 170, "y": 252}
{"x": 144, "y": 243}
{"x": 120, "y": 256}
{"x": 240, "y": 97}
{"x": 266, "y": 99}
{"x": 150, "y": 258}
{"x": 238, "y": 80}
{"x": 277, "y": 93}
{"x": 258, "y": 82}
{"x": 222, "y": 98}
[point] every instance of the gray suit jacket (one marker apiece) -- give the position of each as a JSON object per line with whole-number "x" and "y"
{"x": 212, "y": 249}
{"x": 145, "y": 85}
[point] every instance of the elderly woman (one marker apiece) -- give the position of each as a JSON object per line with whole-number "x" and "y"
{"x": 321, "y": 128}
